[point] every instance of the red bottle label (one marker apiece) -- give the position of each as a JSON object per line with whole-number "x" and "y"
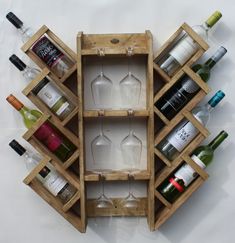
{"x": 48, "y": 136}
{"x": 47, "y": 51}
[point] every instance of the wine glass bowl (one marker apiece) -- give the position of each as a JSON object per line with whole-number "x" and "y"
{"x": 130, "y": 89}
{"x": 103, "y": 201}
{"x": 101, "y": 88}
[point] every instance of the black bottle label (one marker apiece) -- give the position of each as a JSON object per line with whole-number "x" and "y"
{"x": 44, "y": 172}
{"x": 177, "y": 100}
{"x": 47, "y": 51}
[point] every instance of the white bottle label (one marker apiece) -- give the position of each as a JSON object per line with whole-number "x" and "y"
{"x": 54, "y": 182}
{"x": 187, "y": 173}
{"x": 184, "y": 50}
{"x": 49, "y": 95}
{"x": 183, "y": 134}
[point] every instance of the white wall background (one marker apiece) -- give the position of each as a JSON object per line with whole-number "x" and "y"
{"x": 209, "y": 214}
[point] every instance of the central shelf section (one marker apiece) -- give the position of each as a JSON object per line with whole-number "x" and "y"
{"x": 116, "y": 133}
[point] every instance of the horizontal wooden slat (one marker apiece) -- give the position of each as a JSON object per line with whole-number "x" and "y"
{"x": 114, "y": 51}
{"x": 115, "y": 113}
{"x": 117, "y": 209}
{"x": 116, "y": 175}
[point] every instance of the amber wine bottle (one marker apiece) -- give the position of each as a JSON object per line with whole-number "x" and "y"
{"x": 44, "y": 48}
{"x": 174, "y": 186}
{"x": 46, "y": 133}
{"x": 54, "y": 182}
{"x": 46, "y": 91}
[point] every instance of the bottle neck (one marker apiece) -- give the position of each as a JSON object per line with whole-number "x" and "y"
{"x": 210, "y": 63}
{"x": 23, "y": 110}
{"x": 206, "y": 26}
{"x": 26, "y": 33}
{"x": 214, "y": 144}
{"x": 209, "y": 107}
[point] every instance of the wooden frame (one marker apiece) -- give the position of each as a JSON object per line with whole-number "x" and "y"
{"x": 168, "y": 208}
{"x": 44, "y": 30}
{"x": 118, "y": 45}
{"x": 70, "y": 169}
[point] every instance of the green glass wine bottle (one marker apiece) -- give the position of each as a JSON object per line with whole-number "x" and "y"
{"x": 46, "y": 133}
{"x": 174, "y": 186}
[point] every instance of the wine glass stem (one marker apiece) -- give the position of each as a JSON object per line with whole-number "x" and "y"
{"x": 130, "y": 126}
{"x": 102, "y": 185}
{"x": 129, "y": 185}
{"x": 101, "y": 127}
{"x": 101, "y": 65}
{"x": 129, "y": 64}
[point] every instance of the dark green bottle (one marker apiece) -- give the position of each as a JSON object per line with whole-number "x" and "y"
{"x": 174, "y": 186}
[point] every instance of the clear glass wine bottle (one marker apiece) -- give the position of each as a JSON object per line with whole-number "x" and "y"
{"x": 184, "y": 133}
{"x": 44, "y": 48}
{"x": 55, "y": 183}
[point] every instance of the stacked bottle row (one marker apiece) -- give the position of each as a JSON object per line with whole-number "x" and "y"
{"x": 58, "y": 101}
{"x": 172, "y": 64}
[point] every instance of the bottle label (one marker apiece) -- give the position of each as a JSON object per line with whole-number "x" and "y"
{"x": 54, "y": 183}
{"x": 48, "y": 136}
{"x": 183, "y": 134}
{"x": 62, "y": 108}
{"x": 177, "y": 100}
{"x": 187, "y": 173}
{"x": 50, "y": 95}
{"x": 189, "y": 85}
{"x": 184, "y": 50}
{"x": 47, "y": 51}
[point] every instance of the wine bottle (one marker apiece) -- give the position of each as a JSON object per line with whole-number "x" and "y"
{"x": 180, "y": 94}
{"x": 186, "y": 46}
{"x": 54, "y": 182}
{"x": 46, "y": 133}
{"x": 185, "y": 132}
{"x": 174, "y": 186}
{"x": 47, "y": 92}
{"x": 44, "y": 48}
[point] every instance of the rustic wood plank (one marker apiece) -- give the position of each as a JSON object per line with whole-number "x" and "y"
{"x": 159, "y": 196}
{"x": 195, "y": 166}
{"x": 116, "y": 175}
{"x": 115, "y": 113}
{"x": 118, "y": 209}
{"x": 196, "y": 123}
{"x": 34, "y": 38}
{"x": 167, "y": 213}
{"x": 71, "y": 202}
{"x": 196, "y": 78}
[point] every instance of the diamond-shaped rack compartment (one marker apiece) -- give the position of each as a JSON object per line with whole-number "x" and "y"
{"x": 73, "y": 210}
{"x": 163, "y": 126}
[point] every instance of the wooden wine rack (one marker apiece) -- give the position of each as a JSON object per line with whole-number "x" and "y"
{"x": 165, "y": 209}
{"x": 155, "y": 207}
